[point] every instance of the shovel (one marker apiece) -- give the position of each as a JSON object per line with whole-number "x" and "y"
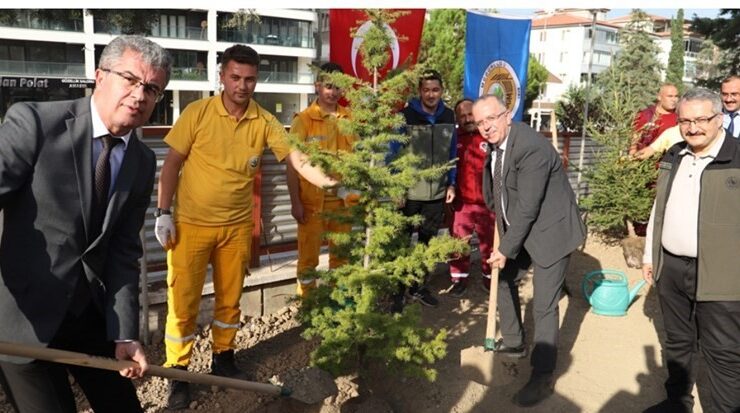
{"x": 317, "y": 380}
{"x": 480, "y": 362}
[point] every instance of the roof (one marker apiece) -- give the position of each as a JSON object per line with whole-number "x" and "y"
{"x": 565, "y": 19}
{"x": 627, "y": 18}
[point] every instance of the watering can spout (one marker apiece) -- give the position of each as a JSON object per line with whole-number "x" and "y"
{"x": 636, "y": 289}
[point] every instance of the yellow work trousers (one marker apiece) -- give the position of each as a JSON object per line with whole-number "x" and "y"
{"x": 227, "y": 248}
{"x": 310, "y": 238}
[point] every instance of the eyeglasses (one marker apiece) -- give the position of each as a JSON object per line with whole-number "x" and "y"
{"x": 699, "y": 122}
{"x": 151, "y": 90}
{"x": 733, "y": 95}
{"x": 491, "y": 118}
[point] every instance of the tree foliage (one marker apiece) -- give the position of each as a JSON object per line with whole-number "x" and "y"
{"x": 443, "y": 48}
{"x": 348, "y": 311}
{"x": 621, "y": 189}
{"x": 674, "y": 74}
{"x": 723, "y": 32}
{"x": 636, "y": 67}
{"x": 536, "y": 80}
{"x": 128, "y": 21}
{"x": 569, "y": 109}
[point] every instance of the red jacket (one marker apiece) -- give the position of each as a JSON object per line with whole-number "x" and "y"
{"x": 650, "y": 127}
{"x": 471, "y": 153}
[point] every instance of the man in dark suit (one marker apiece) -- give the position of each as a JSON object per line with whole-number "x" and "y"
{"x": 537, "y": 216}
{"x": 75, "y": 183}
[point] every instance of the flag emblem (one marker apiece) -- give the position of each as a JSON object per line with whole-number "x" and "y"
{"x": 500, "y": 79}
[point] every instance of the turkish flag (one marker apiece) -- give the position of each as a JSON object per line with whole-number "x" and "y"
{"x": 344, "y": 49}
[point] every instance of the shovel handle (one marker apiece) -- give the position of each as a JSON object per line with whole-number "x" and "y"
{"x": 492, "y": 298}
{"x": 86, "y": 360}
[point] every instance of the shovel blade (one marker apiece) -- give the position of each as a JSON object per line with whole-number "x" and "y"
{"x": 311, "y": 385}
{"x": 486, "y": 368}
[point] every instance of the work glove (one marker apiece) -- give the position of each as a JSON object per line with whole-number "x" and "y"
{"x": 351, "y": 197}
{"x": 164, "y": 230}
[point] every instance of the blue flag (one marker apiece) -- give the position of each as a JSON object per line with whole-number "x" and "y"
{"x": 496, "y": 57}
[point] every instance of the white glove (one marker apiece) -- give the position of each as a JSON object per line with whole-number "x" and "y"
{"x": 164, "y": 230}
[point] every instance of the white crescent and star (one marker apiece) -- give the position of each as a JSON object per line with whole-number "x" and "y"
{"x": 357, "y": 42}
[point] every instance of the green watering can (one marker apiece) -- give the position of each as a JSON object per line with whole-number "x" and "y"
{"x": 608, "y": 292}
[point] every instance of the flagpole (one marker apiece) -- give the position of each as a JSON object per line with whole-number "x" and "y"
{"x": 594, "y": 12}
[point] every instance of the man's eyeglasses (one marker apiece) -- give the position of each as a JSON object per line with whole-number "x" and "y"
{"x": 699, "y": 122}
{"x": 490, "y": 118}
{"x": 151, "y": 90}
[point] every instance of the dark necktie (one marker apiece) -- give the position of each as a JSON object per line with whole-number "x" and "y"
{"x": 101, "y": 185}
{"x": 497, "y": 194}
{"x": 731, "y": 126}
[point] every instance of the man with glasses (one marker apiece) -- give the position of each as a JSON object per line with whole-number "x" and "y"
{"x": 537, "y": 218}
{"x": 430, "y": 125}
{"x": 75, "y": 183}
{"x": 215, "y": 152}
{"x": 730, "y": 91}
{"x": 691, "y": 254}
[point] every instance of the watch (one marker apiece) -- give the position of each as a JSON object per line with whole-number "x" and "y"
{"x": 158, "y": 212}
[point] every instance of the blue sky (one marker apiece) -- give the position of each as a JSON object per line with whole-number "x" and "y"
{"x": 688, "y": 13}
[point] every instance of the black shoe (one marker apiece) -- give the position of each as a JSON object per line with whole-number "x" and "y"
{"x": 513, "y": 352}
{"x": 537, "y": 389}
{"x": 425, "y": 297}
{"x": 178, "y": 395}
{"x": 458, "y": 289}
{"x": 668, "y": 406}
{"x": 222, "y": 364}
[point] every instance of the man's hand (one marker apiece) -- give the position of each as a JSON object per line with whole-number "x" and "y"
{"x": 296, "y": 209}
{"x": 164, "y": 230}
{"x": 647, "y": 273}
{"x": 450, "y": 194}
{"x": 644, "y": 153}
{"x": 497, "y": 259}
{"x": 132, "y": 350}
{"x": 351, "y": 197}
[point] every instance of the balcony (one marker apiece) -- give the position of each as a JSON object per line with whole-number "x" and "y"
{"x": 241, "y": 36}
{"x": 25, "y": 20}
{"x": 189, "y": 73}
{"x": 26, "y": 68}
{"x": 286, "y": 77}
{"x": 180, "y": 32}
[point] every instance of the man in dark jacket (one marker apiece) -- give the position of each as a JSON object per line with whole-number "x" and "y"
{"x": 691, "y": 252}
{"x": 539, "y": 225}
{"x": 431, "y": 127}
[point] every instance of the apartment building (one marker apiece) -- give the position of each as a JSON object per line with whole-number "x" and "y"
{"x": 561, "y": 41}
{"x": 52, "y": 54}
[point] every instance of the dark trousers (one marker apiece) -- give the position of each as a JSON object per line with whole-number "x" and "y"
{"x": 548, "y": 284}
{"x": 44, "y": 387}
{"x": 433, "y": 213}
{"x": 712, "y": 326}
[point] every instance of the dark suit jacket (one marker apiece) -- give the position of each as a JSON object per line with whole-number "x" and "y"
{"x": 46, "y": 196}
{"x": 540, "y": 204}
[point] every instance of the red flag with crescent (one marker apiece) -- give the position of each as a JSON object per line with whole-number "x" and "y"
{"x": 345, "y": 49}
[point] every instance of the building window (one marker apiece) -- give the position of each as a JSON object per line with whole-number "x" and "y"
{"x": 272, "y": 31}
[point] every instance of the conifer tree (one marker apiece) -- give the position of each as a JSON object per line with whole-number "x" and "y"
{"x": 636, "y": 67}
{"x": 674, "y": 73}
{"x": 443, "y": 49}
{"x": 347, "y": 312}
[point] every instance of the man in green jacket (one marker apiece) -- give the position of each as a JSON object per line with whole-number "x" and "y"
{"x": 691, "y": 254}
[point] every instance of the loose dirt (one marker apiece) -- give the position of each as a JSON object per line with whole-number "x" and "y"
{"x": 605, "y": 364}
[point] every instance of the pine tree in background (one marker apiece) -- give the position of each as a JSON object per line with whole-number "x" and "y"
{"x": 348, "y": 311}
{"x": 443, "y": 49}
{"x": 536, "y": 80}
{"x": 674, "y": 74}
{"x": 636, "y": 67}
{"x": 723, "y": 33}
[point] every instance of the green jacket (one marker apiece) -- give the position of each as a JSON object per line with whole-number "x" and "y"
{"x": 718, "y": 272}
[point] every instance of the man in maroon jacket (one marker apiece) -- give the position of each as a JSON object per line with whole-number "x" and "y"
{"x": 655, "y": 119}
{"x": 471, "y": 214}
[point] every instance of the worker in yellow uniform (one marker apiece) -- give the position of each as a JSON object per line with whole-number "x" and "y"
{"x": 215, "y": 151}
{"x": 317, "y": 125}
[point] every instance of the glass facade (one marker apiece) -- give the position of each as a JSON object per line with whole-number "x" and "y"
{"x": 283, "y": 105}
{"x": 189, "y": 65}
{"x": 268, "y": 30}
{"x": 29, "y": 58}
{"x": 69, "y": 20}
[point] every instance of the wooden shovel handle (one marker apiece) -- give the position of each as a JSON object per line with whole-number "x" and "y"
{"x": 492, "y": 295}
{"x": 86, "y": 360}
